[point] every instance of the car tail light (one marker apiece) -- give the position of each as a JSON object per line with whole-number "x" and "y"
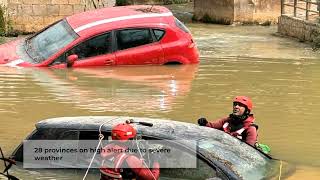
{"x": 192, "y": 44}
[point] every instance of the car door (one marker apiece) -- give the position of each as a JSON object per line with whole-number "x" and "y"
{"x": 137, "y": 46}
{"x": 96, "y": 51}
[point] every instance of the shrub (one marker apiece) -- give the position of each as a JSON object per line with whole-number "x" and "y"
{"x": 179, "y": 1}
{"x": 2, "y": 22}
{"x": 167, "y": 2}
{"x": 122, "y": 2}
{"x": 207, "y": 19}
{"x": 316, "y": 43}
{"x": 266, "y": 23}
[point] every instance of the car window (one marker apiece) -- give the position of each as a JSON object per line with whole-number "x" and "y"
{"x": 180, "y": 25}
{"x": 50, "y": 41}
{"x": 69, "y": 135}
{"x": 43, "y": 134}
{"x": 89, "y": 140}
{"x": 54, "y": 134}
{"x": 158, "y": 34}
{"x": 93, "y": 135}
{"x": 129, "y": 38}
{"x": 17, "y": 155}
{"x": 95, "y": 46}
{"x": 98, "y": 45}
{"x": 46, "y": 134}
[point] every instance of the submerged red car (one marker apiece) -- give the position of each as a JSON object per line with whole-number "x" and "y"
{"x": 126, "y": 35}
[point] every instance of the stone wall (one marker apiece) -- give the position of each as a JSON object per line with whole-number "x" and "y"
{"x": 216, "y": 11}
{"x": 33, "y": 15}
{"x": 157, "y": 1}
{"x": 246, "y": 11}
{"x": 294, "y": 27}
{"x": 3, "y": 2}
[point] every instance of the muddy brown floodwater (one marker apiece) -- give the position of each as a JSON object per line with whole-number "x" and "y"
{"x": 280, "y": 75}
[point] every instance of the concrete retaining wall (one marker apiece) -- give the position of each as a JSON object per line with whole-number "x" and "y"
{"x": 243, "y": 11}
{"x": 218, "y": 11}
{"x": 246, "y": 11}
{"x": 294, "y": 27}
{"x": 33, "y": 15}
{"x": 266, "y": 10}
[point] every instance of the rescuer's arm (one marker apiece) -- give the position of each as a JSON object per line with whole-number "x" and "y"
{"x": 140, "y": 169}
{"x": 251, "y": 137}
{"x": 217, "y": 124}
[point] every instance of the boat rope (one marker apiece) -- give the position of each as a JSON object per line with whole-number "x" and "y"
{"x": 101, "y": 137}
{"x": 280, "y": 169}
{"x": 5, "y": 164}
{"x": 144, "y": 162}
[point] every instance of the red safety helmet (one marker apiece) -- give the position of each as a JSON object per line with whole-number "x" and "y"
{"x": 245, "y": 101}
{"x": 123, "y": 131}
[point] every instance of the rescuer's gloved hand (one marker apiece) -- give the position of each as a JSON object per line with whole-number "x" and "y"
{"x": 202, "y": 121}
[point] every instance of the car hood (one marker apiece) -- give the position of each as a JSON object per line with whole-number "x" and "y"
{"x": 10, "y": 56}
{"x": 8, "y": 51}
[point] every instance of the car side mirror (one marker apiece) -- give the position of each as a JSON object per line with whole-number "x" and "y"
{"x": 71, "y": 59}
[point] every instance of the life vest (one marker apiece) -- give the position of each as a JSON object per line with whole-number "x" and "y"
{"x": 113, "y": 168}
{"x": 238, "y": 133}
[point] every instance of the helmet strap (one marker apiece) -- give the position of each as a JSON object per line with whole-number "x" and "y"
{"x": 246, "y": 112}
{"x": 240, "y": 119}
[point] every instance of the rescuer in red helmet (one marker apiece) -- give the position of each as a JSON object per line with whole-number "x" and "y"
{"x": 125, "y": 165}
{"x": 239, "y": 123}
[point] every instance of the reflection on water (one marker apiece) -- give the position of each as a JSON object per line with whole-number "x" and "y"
{"x": 120, "y": 89}
{"x": 280, "y": 75}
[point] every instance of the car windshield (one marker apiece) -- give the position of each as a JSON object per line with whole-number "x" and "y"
{"x": 50, "y": 41}
{"x": 244, "y": 160}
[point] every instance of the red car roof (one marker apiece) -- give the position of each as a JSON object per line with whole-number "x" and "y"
{"x": 110, "y": 15}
